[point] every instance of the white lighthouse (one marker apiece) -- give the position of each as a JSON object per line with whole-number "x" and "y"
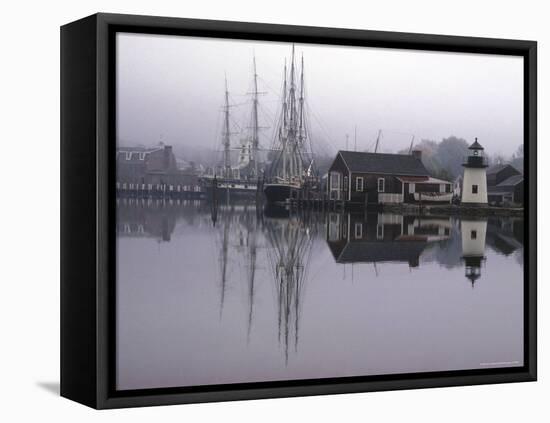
{"x": 474, "y": 182}
{"x": 473, "y": 247}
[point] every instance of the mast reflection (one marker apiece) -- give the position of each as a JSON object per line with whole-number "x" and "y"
{"x": 290, "y": 237}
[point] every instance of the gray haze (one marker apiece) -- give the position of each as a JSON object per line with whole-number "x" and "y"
{"x": 170, "y": 89}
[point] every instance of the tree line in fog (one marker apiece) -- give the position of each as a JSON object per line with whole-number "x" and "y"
{"x": 444, "y": 159}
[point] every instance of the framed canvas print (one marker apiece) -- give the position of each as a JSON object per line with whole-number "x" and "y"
{"x": 255, "y": 211}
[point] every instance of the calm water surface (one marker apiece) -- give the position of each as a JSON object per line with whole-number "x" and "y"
{"x": 243, "y": 295}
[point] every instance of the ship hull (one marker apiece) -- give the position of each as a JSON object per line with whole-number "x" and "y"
{"x": 233, "y": 187}
{"x": 280, "y": 193}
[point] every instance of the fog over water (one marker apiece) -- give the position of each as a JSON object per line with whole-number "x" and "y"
{"x": 171, "y": 88}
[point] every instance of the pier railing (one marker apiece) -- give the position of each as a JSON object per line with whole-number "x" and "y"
{"x": 137, "y": 190}
{"x": 390, "y": 198}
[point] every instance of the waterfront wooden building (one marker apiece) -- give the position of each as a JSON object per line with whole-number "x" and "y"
{"x": 498, "y": 173}
{"x": 144, "y": 172}
{"x": 377, "y": 178}
{"x": 508, "y": 192}
{"x": 504, "y": 185}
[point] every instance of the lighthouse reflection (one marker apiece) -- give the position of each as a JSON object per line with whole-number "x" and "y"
{"x": 275, "y": 293}
{"x": 473, "y": 233}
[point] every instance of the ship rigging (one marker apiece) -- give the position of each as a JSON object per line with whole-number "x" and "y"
{"x": 292, "y": 169}
{"x": 240, "y": 177}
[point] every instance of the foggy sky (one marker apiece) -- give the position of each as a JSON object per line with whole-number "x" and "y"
{"x": 171, "y": 89}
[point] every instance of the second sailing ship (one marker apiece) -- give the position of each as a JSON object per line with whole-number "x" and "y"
{"x": 242, "y": 178}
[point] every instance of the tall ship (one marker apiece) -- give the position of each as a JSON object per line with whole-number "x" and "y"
{"x": 291, "y": 173}
{"x": 241, "y": 166}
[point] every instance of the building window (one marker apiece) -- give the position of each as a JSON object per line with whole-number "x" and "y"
{"x": 346, "y": 183}
{"x": 358, "y": 230}
{"x": 334, "y": 227}
{"x": 381, "y": 184}
{"x": 411, "y": 188}
{"x": 474, "y": 189}
{"x": 334, "y": 181}
{"x": 379, "y": 231}
{"x": 473, "y": 234}
{"x": 359, "y": 184}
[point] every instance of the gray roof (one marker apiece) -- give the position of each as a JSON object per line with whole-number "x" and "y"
{"x": 381, "y": 163}
{"x": 497, "y": 189}
{"x": 498, "y": 167}
{"x": 139, "y": 149}
{"x": 511, "y": 181}
{"x": 506, "y": 186}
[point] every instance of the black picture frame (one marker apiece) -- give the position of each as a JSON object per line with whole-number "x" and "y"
{"x": 88, "y": 209}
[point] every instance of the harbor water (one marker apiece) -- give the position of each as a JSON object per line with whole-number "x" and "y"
{"x": 238, "y": 294}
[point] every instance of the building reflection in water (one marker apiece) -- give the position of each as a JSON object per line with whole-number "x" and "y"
{"x": 153, "y": 218}
{"x": 377, "y": 237}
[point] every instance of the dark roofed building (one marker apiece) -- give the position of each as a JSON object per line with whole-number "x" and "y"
{"x": 509, "y": 191}
{"x": 384, "y": 164}
{"x": 376, "y": 178}
{"x": 504, "y": 185}
{"x": 500, "y": 172}
{"x": 139, "y": 165}
{"x": 140, "y": 168}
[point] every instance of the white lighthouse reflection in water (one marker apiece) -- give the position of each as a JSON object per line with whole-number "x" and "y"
{"x": 247, "y": 295}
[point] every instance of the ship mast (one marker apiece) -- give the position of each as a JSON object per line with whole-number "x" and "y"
{"x": 255, "y": 140}
{"x": 292, "y": 123}
{"x": 226, "y": 135}
{"x": 301, "y": 133}
{"x": 282, "y": 130}
{"x": 292, "y": 129}
{"x": 301, "y": 114}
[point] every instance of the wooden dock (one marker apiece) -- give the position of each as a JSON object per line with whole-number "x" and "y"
{"x": 160, "y": 191}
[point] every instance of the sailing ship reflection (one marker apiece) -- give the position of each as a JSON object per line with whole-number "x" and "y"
{"x": 291, "y": 238}
{"x": 286, "y": 245}
{"x": 237, "y": 244}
